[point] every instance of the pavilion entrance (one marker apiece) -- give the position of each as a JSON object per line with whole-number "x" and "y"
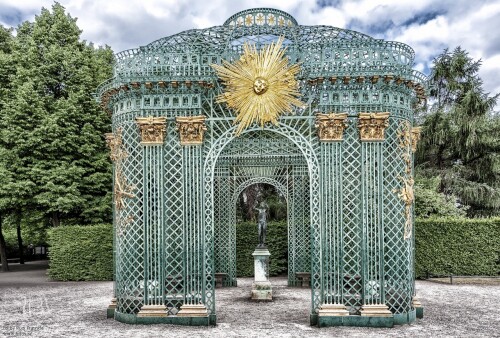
{"x": 261, "y": 157}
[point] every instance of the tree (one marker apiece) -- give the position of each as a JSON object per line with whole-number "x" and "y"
{"x": 460, "y": 141}
{"x": 52, "y": 125}
{"x": 7, "y": 70}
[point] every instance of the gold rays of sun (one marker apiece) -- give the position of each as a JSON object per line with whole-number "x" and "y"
{"x": 260, "y": 86}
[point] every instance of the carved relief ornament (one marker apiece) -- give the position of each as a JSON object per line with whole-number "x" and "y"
{"x": 372, "y": 126}
{"x": 331, "y": 126}
{"x": 152, "y": 129}
{"x": 191, "y": 129}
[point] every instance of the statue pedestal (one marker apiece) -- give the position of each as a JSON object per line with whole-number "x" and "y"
{"x": 261, "y": 287}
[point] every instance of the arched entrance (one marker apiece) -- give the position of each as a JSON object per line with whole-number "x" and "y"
{"x": 282, "y": 157}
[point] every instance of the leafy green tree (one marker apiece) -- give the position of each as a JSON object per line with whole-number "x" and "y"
{"x": 460, "y": 142}
{"x": 7, "y": 71}
{"x": 429, "y": 202}
{"x": 52, "y": 126}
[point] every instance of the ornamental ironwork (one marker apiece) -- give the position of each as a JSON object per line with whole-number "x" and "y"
{"x": 268, "y": 100}
{"x": 331, "y": 126}
{"x": 372, "y": 126}
{"x": 191, "y": 129}
{"x": 260, "y": 86}
{"x": 152, "y": 129}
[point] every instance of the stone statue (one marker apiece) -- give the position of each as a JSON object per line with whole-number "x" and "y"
{"x": 262, "y": 223}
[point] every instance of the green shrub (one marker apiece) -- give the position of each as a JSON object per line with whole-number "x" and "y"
{"x": 457, "y": 246}
{"x": 81, "y": 252}
{"x": 247, "y": 240}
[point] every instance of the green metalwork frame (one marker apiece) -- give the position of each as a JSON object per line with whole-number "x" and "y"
{"x": 345, "y": 219}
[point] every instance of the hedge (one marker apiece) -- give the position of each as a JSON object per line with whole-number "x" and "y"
{"x": 457, "y": 246}
{"x": 81, "y": 252}
{"x": 247, "y": 240}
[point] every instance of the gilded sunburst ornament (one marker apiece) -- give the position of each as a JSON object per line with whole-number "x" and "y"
{"x": 260, "y": 86}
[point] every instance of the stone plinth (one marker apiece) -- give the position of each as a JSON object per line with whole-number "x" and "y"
{"x": 110, "y": 311}
{"x": 153, "y": 311}
{"x": 261, "y": 288}
{"x": 193, "y": 310}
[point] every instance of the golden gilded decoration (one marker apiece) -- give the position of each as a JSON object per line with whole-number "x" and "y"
{"x": 331, "y": 126}
{"x": 260, "y": 86}
{"x": 121, "y": 189}
{"x": 405, "y": 193}
{"x": 372, "y": 126}
{"x": 191, "y": 129}
{"x": 415, "y": 137}
{"x": 152, "y": 129}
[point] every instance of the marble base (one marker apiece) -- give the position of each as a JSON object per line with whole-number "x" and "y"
{"x": 334, "y": 310}
{"x": 375, "y": 310}
{"x": 193, "y": 310}
{"x": 262, "y": 291}
{"x": 153, "y": 311}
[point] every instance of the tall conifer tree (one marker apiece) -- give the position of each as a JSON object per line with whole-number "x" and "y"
{"x": 460, "y": 141}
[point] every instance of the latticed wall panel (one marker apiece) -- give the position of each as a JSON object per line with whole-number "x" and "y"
{"x": 352, "y": 226}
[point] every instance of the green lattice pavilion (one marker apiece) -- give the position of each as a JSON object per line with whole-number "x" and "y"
{"x": 343, "y": 160}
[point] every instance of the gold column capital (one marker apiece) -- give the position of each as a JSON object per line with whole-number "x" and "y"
{"x": 191, "y": 129}
{"x": 372, "y": 126}
{"x": 152, "y": 129}
{"x": 331, "y": 126}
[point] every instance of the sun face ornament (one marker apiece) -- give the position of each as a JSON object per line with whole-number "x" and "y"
{"x": 260, "y": 86}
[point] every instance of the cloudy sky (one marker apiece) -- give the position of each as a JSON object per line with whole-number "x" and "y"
{"x": 428, "y": 26}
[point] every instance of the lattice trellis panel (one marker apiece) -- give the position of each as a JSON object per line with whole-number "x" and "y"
{"x": 352, "y": 235}
{"x": 129, "y": 228}
{"x": 174, "y": 222}
{"x": 398, "y": 251}
{"x": 299, "y": 227}
{"x": 332, "y": 192}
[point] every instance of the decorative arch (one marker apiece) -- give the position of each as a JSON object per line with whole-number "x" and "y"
{"x": 307, "y": 150}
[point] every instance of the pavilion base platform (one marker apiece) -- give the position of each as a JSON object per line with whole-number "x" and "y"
{"x": 170, "y": 319}
{"x": 363, "y": 321}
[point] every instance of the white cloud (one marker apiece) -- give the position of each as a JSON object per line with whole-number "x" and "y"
{"x": 428, "y": 26}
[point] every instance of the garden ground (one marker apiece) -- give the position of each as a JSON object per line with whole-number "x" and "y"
{"x": 32, "y": 305}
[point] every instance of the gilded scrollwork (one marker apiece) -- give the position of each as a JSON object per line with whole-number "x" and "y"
{"x": 331, "y": 126}
{"x": 191, "y": 129}
{"x": 415, "y": 137}
{"x": 122, "y": 189}
{"x": 152, "y": 129}
{"x": 407, "y": 142}
{"x": 372, "y": 126}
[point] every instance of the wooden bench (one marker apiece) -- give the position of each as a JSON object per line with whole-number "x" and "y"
{"x": 304, "y": 278}
{"x": 219, "y": 279}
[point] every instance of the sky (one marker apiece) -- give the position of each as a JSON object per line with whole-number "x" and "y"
{"x": 428, "y": 26}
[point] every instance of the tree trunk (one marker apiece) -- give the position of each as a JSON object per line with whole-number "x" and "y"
{"x": 19, "y": 239}
{"x": 3, "y": 251}
{"x": 55, "y": 219}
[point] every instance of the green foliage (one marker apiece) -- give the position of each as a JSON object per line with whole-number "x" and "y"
{"x": 247, "y": 240}
{"x": 460, "y": 142}
{"x": 457, "y": 246}
{"x": 51, "y": 128}
{"x": 81, "y": 252}
{"x": 429, "y": 202}
{"x": 254, "y": 194}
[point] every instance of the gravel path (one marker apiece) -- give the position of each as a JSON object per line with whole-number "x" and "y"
{"x": 32, "y": 307}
